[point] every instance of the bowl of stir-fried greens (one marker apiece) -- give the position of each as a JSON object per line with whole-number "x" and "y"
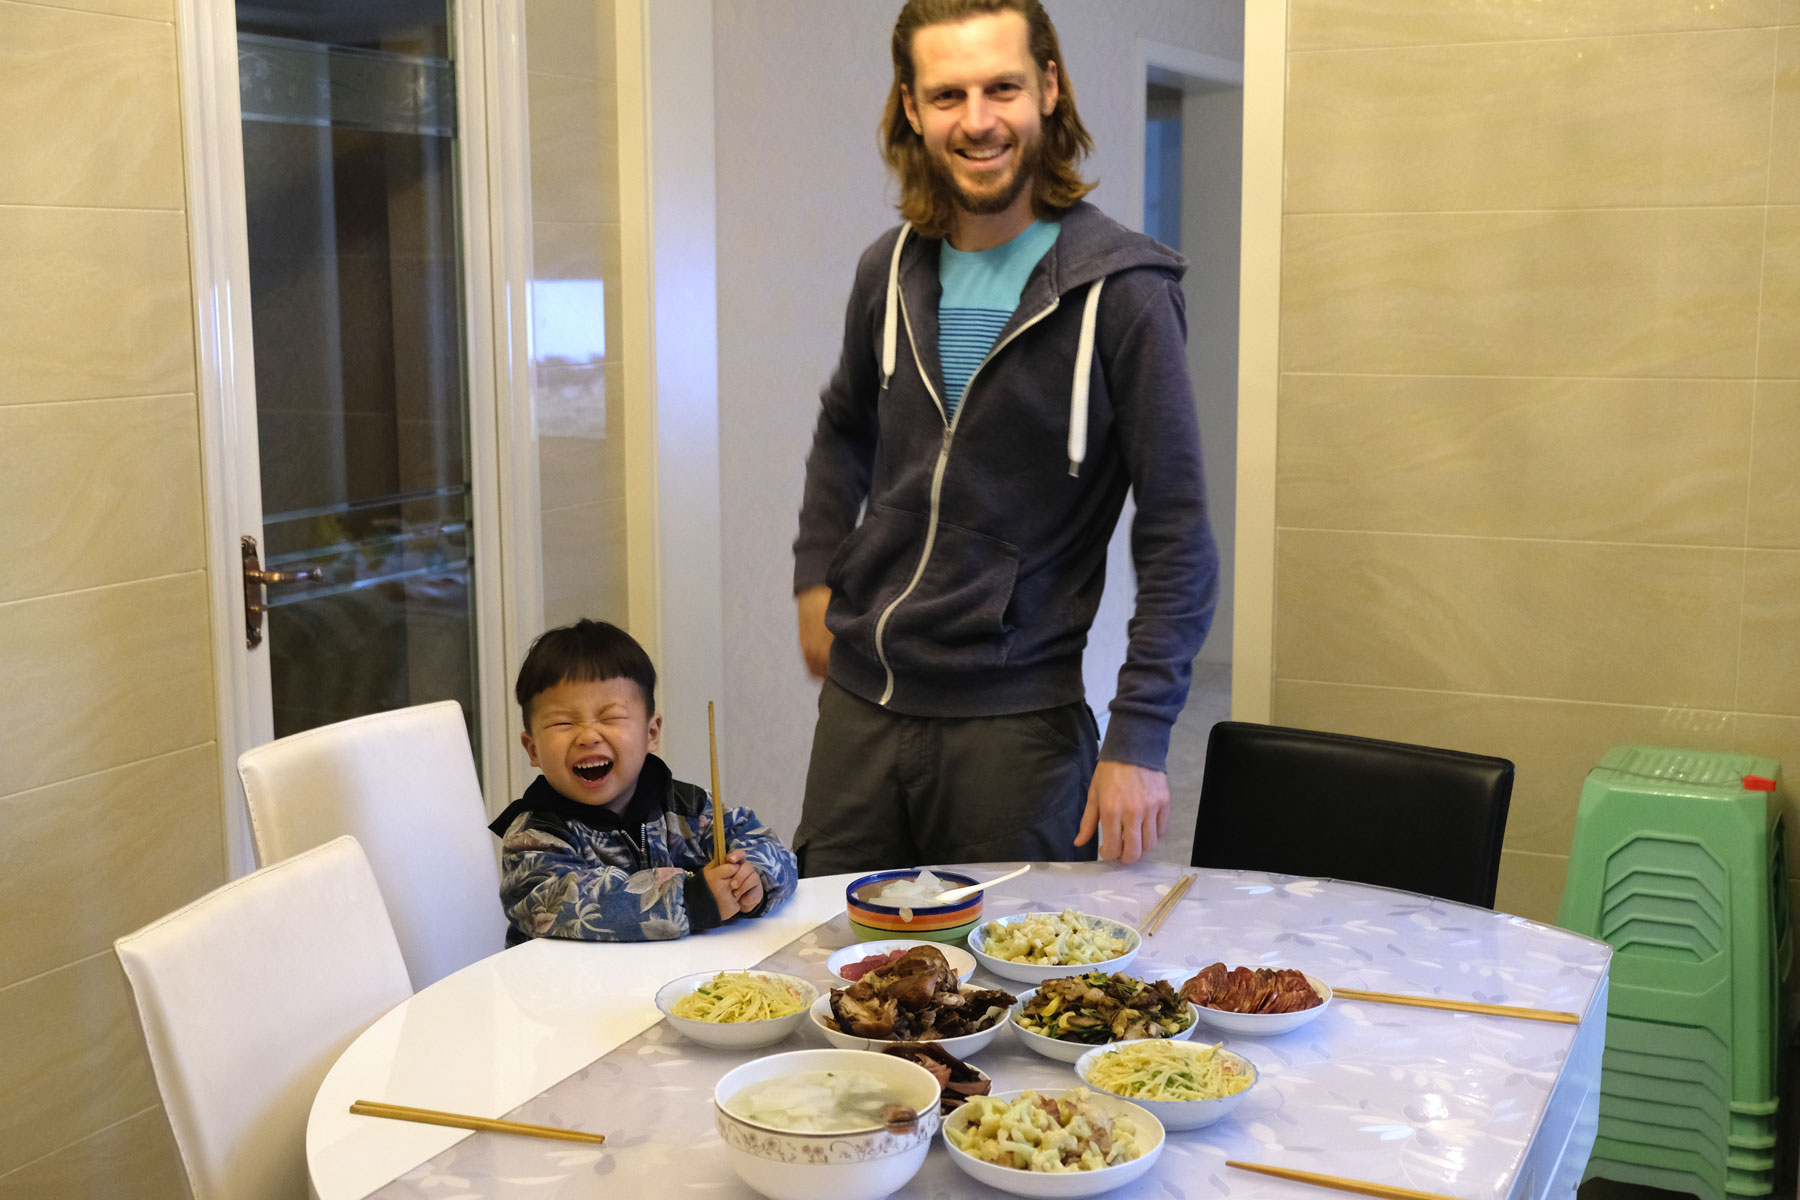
{"x": 1063, "y": 1018}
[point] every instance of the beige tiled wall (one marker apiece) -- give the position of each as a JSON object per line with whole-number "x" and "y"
{"x": 109, "y": 772}
{"x": 575, "y": 236}
{"x": 1539, "y": 413}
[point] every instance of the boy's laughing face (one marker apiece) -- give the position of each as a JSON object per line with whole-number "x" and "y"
{"x": 590, "y": 739}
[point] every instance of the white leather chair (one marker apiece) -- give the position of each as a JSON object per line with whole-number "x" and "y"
{"x": 247, "y": 996}
{"x": 403, "y": 784}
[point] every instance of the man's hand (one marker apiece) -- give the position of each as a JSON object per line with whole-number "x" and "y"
{"x": 1129, "y": 807}
{"x": 815, "y": 639}
{"x": 735, "y": 885}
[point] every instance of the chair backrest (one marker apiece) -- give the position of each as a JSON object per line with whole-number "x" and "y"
{"x": 247, "y": 996}
{"x": 403, "y": 784}
{"x": 1302, "y": 802}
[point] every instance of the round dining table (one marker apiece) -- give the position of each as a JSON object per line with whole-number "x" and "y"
{"x": 1460, "y": 1104}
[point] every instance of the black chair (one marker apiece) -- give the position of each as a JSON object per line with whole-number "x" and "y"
{"x": 1302, "y": 802}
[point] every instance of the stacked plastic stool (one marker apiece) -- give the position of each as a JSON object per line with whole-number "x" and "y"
{"x": 1678, "y": 864}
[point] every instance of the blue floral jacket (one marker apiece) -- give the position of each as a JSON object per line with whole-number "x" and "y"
{"x": 572, "y": 870}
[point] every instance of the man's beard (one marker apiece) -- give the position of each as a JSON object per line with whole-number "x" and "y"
{"x": 986, "y": 204}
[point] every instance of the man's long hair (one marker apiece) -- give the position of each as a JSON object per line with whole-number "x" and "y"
{"x": 924, "y": 200}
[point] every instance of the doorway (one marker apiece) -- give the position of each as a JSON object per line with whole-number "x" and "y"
{"x": 370, "y": 468}
{"x": 1193, "y": 154}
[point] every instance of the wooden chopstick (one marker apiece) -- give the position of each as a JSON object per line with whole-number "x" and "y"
{"x": 1341, "y": 1184}
{"x": 712, "y": 744}
{"x": 431, "y": 1116}
{"x": 1166, "y": 905}
{"x": 1469, "y": 1006}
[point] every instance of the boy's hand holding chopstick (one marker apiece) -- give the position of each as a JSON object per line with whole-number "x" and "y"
{"x": 735, "y": 885}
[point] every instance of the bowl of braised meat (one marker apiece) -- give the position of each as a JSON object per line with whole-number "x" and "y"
{"x": 916, "y": 998}
{"x": 1256, "y": 1001}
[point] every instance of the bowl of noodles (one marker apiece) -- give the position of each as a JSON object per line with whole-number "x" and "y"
{"x": 735, "y": 1010}
{"x": 1184, "y": 1084}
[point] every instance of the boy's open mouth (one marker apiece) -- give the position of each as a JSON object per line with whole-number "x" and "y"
{"x": 593, "y": 772}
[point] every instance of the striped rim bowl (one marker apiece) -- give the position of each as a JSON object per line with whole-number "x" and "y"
{"x": 871, "y": 920}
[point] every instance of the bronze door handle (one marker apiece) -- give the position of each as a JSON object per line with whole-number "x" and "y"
{"x": 255, "y": 579}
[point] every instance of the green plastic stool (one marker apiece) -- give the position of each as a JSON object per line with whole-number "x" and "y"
{"x": 1678, "y": 864}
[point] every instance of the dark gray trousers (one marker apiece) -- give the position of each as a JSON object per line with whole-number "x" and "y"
{"x": 885, "y": 790}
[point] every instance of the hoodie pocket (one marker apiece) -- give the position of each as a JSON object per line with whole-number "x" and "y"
{"x": 870, "y": 568}
{"x": 954, "y": 619}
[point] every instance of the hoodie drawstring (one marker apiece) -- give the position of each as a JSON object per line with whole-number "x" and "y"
{"x": 1084, "y": 351}
{"x": 889, "y": 334}
{"x": 1078, "y": 389}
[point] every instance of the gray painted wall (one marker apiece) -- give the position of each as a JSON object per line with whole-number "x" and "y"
{"x": 801, "y": 190}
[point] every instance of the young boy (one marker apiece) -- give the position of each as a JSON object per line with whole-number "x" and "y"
{"x": 607, "y": 845}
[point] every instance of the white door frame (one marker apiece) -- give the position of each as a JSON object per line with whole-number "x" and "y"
{"x": 668, "y": 210}
{"x": 496, "y": 258}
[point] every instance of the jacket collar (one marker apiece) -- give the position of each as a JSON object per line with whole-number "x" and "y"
{"x": 649, "y": 802}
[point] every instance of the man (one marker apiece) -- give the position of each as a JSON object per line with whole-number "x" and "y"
{"x": 1013, "y": 363}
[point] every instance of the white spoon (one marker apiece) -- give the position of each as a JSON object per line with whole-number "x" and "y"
{"x": 961, "y": 893}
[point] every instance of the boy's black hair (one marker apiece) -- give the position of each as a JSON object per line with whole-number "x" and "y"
{"x": 581, "y": 653}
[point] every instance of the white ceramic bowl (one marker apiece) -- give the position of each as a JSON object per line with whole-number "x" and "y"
{"x": 1074, "y": 1183}
{"x": 962, "y": 1046}
{"x": 1036, "y": 973}
{"x": 1266, "y": 1024}
{"x": 732, "y": 1035}
{"x": 1070, "y": 1052}
{"x": 1178, "y": 1114}
{"x": 861, "y": 1165}
{"x": 960, "y": 960}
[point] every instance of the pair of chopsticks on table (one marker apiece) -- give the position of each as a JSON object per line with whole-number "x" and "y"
{"x": 1359, "y": 1186}
{"x": 431, "y": 1116}
{"x": 1166, "y": 905}
{"x": 1468, "y": 1006}
{"x": 1173, "y": 896}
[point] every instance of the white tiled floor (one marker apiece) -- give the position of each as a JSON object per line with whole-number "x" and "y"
{"x": 1209, "y": 702}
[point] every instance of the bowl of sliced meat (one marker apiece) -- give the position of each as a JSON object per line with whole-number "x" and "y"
{"x": 1256, "y": 1001}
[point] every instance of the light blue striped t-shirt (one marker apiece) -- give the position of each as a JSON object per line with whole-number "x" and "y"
{"x": 981, "y": 290}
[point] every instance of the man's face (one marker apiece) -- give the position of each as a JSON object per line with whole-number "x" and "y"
{"x": 979, "y": 102}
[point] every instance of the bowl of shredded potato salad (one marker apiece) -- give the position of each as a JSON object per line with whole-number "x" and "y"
{"x": 736, "y": 1010}
{"x": 1032, "y": 947}
{"x": 1053, "y": 1143}
{"x": 1185, "y": 1084}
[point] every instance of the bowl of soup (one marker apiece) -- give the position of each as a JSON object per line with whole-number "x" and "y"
{"x": 827, "y": 1124}
{"x": 894, "y": 904}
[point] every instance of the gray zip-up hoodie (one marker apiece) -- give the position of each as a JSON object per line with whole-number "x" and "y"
{"x": 969, "y": 583}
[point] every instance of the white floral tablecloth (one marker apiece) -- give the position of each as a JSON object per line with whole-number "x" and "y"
{"x": 1478, "y": 1107}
